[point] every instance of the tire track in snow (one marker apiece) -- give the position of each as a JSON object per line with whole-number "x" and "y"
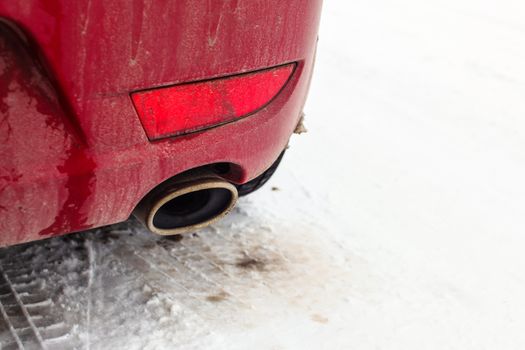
{"x": 12, "y": 330}
{"x": 23, "y": 308}
{"x": 31, "y": 286}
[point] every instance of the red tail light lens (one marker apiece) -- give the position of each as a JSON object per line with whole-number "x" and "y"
{"x": 189, "y": 107}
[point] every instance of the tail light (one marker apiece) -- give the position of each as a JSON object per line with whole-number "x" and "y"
{"x": 181, "y": 109}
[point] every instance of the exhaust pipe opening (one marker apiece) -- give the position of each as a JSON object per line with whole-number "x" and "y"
{"x": 186, "y": 205}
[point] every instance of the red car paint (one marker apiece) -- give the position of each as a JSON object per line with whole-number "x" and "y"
{"x": 73, "y": 152}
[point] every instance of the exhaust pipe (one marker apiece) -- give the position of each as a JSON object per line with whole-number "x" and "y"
{"x": 186, "y": 204}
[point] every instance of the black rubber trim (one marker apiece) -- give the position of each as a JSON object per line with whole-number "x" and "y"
{"x": 259, "y": 181}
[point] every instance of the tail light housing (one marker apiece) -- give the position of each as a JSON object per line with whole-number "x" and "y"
{"x": 190, "y": 107}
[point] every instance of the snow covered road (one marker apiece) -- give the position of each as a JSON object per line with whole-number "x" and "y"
{"x": 397, "y": 222}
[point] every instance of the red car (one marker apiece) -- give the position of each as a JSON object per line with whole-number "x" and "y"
{"x": 167, "y": 110}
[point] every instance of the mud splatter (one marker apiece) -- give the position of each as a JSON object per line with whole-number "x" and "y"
{"x": 319, "y": 319}
{"x": 216, "y": 298}
{"x": 249, "y": 263}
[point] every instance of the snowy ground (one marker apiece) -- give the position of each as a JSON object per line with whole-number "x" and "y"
{"x": 396, "y": 223}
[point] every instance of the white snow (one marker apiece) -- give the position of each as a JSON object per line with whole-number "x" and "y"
{"x": 397, "y": 222}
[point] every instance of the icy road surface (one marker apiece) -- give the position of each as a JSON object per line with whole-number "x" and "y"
{"x": 398, "y": 222}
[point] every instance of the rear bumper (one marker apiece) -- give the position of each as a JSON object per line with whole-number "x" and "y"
{"x": 104, "y": 164}
{"x": 251, "y": 145}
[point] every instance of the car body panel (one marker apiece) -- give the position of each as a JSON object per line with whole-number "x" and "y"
{"x": 73, "y": 152}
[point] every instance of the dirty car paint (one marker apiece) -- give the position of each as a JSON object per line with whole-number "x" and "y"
{"x": 73, "y": 152}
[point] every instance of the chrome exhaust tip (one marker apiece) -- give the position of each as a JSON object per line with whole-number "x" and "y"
{"x": 187, "y": 204}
